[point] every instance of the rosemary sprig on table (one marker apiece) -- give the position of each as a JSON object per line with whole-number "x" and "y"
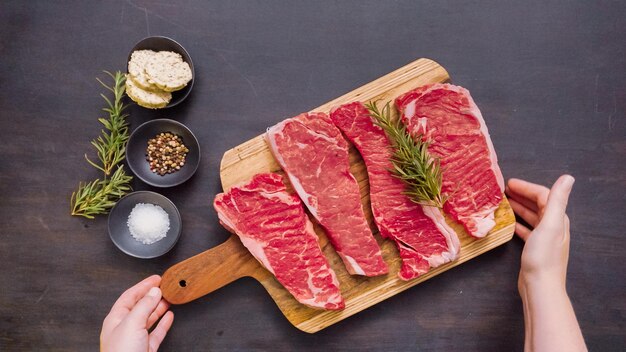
{"x": 411, "y": 161}
{"x": 98, "y": 196}
{"x": 111, "y": 145}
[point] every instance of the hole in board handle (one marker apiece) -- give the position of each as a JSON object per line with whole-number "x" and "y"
{"x": 182, "y": 283}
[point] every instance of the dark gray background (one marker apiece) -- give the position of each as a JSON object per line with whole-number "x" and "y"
{"x": 549, "y": 77}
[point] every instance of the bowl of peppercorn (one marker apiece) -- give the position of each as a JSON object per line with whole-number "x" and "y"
{"x": 163, "y": 153}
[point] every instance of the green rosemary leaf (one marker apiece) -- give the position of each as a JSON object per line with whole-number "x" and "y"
{"x": 105, "y": 86}
{"x": 107, "y": 124}
{"x": 93, "y": 164}
{"x": 108, "y": 102}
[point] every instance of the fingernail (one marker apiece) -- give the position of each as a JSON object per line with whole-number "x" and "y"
{"x": 154, "y": 292}
{"x": 569, "y": 181}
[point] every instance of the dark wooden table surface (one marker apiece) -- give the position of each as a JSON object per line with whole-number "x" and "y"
{"x": 550, "y": 80}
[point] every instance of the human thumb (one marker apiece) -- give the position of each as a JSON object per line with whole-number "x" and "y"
{"x": 140, "y": 313}
{"x": 557, "y": 201}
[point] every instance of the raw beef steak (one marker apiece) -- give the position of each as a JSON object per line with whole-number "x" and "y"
{"x": 447, "y": 116}
{"x": 423, "y": 238}
{"x": 314, "y": 155}
{"x": 272, "y": 224}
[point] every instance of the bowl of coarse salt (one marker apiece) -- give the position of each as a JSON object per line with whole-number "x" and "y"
{"x": 144, "y": 224}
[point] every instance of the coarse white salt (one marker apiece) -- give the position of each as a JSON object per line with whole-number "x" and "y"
{"x": 148, "y": 223}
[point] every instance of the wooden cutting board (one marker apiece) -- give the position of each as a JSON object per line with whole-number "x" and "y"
{"x": 216, "y": 267}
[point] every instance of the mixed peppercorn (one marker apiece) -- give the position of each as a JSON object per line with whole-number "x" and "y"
{"x": 166, "y": 153}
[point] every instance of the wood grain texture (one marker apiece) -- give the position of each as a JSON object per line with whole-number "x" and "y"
{"x": 203, "y": 273}
{"x": 209, "y": 271}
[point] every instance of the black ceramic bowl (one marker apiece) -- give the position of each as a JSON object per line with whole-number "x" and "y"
{"x": 120, "y": 234}
{"x": 138, "y": 145}
{"x": 168, "y": 44}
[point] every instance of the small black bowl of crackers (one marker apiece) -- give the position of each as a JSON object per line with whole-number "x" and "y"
{"x": 160, "y": 73}
{"x": 163, "y": 153}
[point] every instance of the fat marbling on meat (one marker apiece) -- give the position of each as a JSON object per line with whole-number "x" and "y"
{"x": 274, "y": 227}
{"x": 420, "y": 232}
{"x": 314, "y": 154}
{"x": 448, "y": 118}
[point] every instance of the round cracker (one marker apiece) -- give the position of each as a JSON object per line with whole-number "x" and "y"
{"x": 168, "y": 71}
{"x": 145, "y": 98}
{"x": 136, "y": 69}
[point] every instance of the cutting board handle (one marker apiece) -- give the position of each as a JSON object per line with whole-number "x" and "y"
{"x": 208, "y": 271}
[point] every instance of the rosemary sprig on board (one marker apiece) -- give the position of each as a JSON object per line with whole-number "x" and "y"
{"x": 411, "y": 161}
{"x": 98, "y": 196}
